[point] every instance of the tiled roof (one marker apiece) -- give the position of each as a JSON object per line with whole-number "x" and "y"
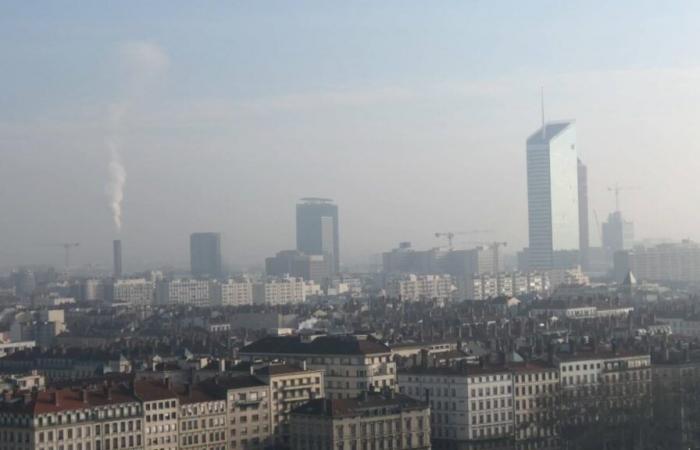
{"x": 277, "y": 369}
{"x": 322, "y": 345}
{"x": 356, "y": 406}
{"x": 68, "y": 399}
{"x": 470, "y": 369}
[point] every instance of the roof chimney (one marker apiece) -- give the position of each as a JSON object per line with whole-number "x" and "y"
{"x": 54, "y": 398}
{"x": 222, "y": 365}
{"x": 303, "y": 365}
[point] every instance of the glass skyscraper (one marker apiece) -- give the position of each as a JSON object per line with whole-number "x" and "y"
{"x": 552, "y": 193}
{"x": 317, "y": 229}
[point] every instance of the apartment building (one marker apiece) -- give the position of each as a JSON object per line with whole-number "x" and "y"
{"x": 536, "y": 390}
{"x": 351, "y": 363}
{"x": 488, "y": 285}
{"x": 371, "y": 421}
{"x": 78, "y": 419}
{"x": 248, "y": 412}
{"x": 610, "y": 380}
{"x": 290, "y": 387}
{"x": 202, "y": 419}
{"x": 682, "y": 325}
{"x": 184, "y": 292}
{"x": 412, "y": 287}
{"x": 279, "y": 291}
{"x": 134, "y": 291}
{"x": 232, "y": 292}
{"x": 160, "y": 407}
{"x": 249, "y": 421}
{"x": 468, "y": 403}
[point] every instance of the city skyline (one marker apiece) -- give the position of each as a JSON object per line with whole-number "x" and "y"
{"x": 262, "y": 141}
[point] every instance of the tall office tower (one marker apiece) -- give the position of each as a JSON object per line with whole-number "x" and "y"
{"x": 317, "y": 229}
{"x": 205, "y": 255}
{"x": 583, "y": 238}
{"x": 618, "y": 233}
{"x": 552, "y": 194}
{"x": 117, "y": 253}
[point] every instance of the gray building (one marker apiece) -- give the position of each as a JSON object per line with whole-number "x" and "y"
{"x": 583, "y": 229}
{"x": 298, "y": 264}
{"x": 618, "y": 233}
{"x": 671, "y": 262}
{"x": 205, "y": 255}
{"x": 552, "y": 193}
{"x": 405, "y": 259}
{"x": 317, "y": 229}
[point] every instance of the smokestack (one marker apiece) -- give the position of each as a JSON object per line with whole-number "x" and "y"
{"x": 117, "y": 258}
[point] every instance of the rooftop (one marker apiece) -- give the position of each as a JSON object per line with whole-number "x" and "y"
{"x": 67, "y": 399}
{"x": 469, "y": 369}
{"x": 358, "y": 406}
{"x": 551, "y": 130}
{"x": 321, "y": 345}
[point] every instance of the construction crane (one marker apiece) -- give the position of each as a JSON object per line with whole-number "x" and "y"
{"x": 450, "y": 235}
{"x": 597, "y": 227}
{"x": 616, "y": 189}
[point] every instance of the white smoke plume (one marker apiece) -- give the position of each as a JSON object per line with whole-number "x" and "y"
{"x": 141, "y": 63}
{"x": 308, "y": 324}
{"x": 115, "y": 187}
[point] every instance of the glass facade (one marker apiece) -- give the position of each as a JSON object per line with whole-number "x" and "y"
{"x": 552, "y": 182}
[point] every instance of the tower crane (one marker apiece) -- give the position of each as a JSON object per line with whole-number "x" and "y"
{"x": 450, "y": 235}
{"x": 617, "y": 189}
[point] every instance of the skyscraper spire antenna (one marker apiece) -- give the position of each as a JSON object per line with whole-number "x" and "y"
{"x": 542, "y": 109}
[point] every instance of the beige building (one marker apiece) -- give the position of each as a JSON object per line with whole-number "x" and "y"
{"x": 202, "y": 419}
{"x": 248, "y": 411}
{"x": 134, "y": 291}
{"x": 290, "y": 387}
{"x": 160, "y": 408}
{"x": 183, "y": 292}
{"x": 487, "y": 285}
{"x": 468, "y": 403}
{"x": 610, "y": 380}
{"x": 232, "y": 292}
{"x": 536, "y": 392}
{"x": 411, "y": 287}
{"x": 279, "y": 291}
{"x": 371, "y": 421}
{"x": 351, "y": 363}
{"x": 78, "y": 419}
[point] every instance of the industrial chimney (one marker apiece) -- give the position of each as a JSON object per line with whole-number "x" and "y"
{"x": 117, "y": 258}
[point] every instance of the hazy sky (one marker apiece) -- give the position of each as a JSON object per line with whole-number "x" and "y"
{"x": 412, "y": 115}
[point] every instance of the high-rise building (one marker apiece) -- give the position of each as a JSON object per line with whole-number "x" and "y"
{"x": 405, "y": 259}
{"x": 205, "y": 254}
{"x": 297, "y": 264}
{"x": 583, "y": 237}
{"x": 317, "y": 229}
{"x": 618, "y": 233}
{"x": 552, "y": 193}
{"x": 117, "y": 250}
